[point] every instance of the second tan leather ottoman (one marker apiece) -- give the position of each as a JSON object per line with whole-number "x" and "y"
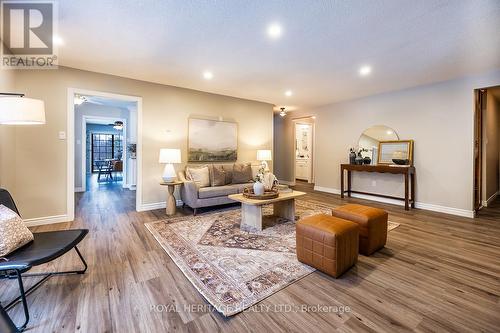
{"x": 327, "y": 243}
{"x": 372, "y": 225}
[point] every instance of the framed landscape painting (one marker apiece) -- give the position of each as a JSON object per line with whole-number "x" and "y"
{"x": 212, "y": 141}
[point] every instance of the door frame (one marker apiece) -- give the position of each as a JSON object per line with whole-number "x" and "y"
{"x": 478, "y": 150}
{"x": 300, "y": 120}
{"x": 70, "y": 144}
{"x": 84, "y": 149}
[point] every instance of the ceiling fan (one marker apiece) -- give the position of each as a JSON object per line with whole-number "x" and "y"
{"x": 117, "y": 125}
{"x": 283, "y": 112}
{"x": 79, "y": 99}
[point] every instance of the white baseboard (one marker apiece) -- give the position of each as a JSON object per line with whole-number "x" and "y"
{"x": 46, "y": 220}
{"x": 156, "y": 205}
{"x": 490, "y": 199}
{"x": 286, "y": 182}
{"x": 79, "y": 189}
{"x": 326, "y": 189}
{"x": 420, "y": 205}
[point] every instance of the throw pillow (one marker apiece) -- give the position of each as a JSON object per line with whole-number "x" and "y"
{"x": 218, "y": 175}
{"x": 228, "y": 169}
{"x": 13, "y": 231}
{"x": 200, "y": 176}
{"x": 242, "y": 173}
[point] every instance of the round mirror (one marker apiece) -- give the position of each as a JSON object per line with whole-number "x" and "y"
{"x": 371, "y": 137}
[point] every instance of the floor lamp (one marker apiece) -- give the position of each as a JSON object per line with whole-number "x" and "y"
{"x": 15, "y": 109}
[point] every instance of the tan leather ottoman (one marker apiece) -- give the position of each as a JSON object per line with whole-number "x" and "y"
{"x": 327, "y": 243}
{"x": 372, "y": 225}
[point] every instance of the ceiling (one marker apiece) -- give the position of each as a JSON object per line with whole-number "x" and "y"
{"x": 99, "y": 121}
{"x": 322, "y": 47}
{"x": 110, "y": 102}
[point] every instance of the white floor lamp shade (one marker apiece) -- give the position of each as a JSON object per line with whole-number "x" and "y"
{"x": 16, "y": 110}
{"x": 169, "y": 157}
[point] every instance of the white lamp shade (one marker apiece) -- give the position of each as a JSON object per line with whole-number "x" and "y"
{"x": 21, "y": 111}
{"x": 170, "y": 156}
{"x": 264, "y": 155}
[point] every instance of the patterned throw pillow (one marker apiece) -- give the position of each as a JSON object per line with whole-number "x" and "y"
{"x": 13, "y": 231}
{"x": 218, "y": 175}
{"x": 242, "y": 173}
{"x": 200, "y": 176}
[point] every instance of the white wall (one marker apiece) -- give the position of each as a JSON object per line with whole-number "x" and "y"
{"x": 41, "y": 157}
{"x": 7, "y": 136}
{"x": 439, "y": 117}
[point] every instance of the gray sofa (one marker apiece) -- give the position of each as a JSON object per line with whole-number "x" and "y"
{"x": 199, "y": 197}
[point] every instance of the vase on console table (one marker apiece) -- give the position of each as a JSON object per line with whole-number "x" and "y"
{"x": 352, "y": 157}
{"x": 359, "y": 159}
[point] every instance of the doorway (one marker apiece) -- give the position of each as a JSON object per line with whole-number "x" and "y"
{"x": 104, "y": 153}
{"x": 104, "y": 145}
{"x": 486, "y": 147}
{"x": 304, "y": 149}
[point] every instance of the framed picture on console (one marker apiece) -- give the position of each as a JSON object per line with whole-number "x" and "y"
{"x": 395, "y": 152}
{"x": 212, "y": 141}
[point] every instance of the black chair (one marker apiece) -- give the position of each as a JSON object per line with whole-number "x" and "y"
{"x": 104, "y": 167}
{"x": 45, "y": 247}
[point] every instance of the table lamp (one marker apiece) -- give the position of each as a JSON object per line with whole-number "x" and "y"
{"x": 169, "y": 157}
{"x": 264, "y": 155}
{"x": 15, "y": 109}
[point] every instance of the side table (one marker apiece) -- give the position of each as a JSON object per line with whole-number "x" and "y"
{"x": 171, "y": 205}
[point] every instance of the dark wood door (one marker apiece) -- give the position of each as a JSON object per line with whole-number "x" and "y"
{"x": 480, "y": 99}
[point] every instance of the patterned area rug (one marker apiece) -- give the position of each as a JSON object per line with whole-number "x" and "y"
{"x": 234, "y": 269}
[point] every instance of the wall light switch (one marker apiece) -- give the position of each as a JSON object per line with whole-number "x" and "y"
{"x": 78, "y": 142}
{"x": 62, "y": 135}
{"x": 374, "y": 183}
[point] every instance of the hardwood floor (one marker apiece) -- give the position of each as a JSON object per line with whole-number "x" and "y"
{"x": 437, "y": 273}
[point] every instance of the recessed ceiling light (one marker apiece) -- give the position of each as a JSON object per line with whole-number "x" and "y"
{"x": 57, "y": 40}
{"x": 274, "y": 30}
{"x": 207, "y": 75}
{"x": 365, "y": 70}
{"x": 313, "y": 117}
{"x": 288, "y": 93}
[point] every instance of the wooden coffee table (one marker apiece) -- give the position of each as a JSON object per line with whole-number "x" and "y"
{"x": 251, "y": 209}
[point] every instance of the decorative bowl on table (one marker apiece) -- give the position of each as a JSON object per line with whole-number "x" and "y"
{"x": 400, "y": 161}
{"x": 268, "y": 194}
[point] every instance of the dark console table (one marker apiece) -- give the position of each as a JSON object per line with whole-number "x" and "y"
{"x": 408, "y": 173}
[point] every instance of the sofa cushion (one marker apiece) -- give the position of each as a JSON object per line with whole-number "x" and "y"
{"x": 199, "y": 175}
{"x": 217, "y": 175}
{"x": 242, "y": 173}
{"x": 255, "y": 170}
{"x": 228, "y": 168}
{"x": 218, "y": 191}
